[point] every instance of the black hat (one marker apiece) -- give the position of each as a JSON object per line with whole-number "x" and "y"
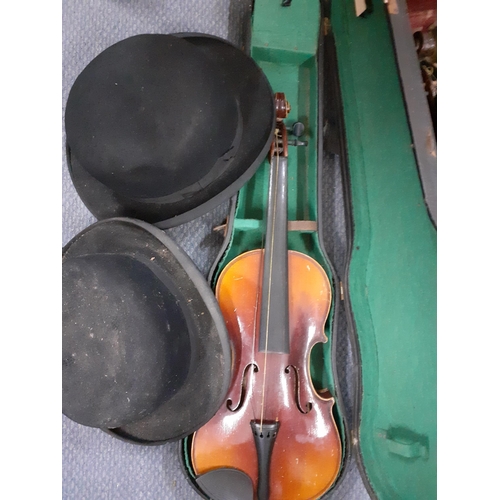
{"x": 164, "y": 128}
{"x": 145, "y": 349}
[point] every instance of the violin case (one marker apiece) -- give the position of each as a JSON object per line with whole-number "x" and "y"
{"x": 356, "y": 206}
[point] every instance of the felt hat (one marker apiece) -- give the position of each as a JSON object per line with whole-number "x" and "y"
{"x": 164, "y": 128}
{"x": 146, "y": 354}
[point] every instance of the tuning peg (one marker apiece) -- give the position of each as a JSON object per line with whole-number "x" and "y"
{"x": 297, "y": 129}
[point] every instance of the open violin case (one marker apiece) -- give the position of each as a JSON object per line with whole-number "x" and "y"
{"x": 146, "y": 353}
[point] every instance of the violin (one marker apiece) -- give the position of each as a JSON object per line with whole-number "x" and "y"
{"x": 274, "y": 426}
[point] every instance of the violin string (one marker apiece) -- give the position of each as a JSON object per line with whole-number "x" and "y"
{"x": 258, "y": 296}
{"x": 268, "y": 284}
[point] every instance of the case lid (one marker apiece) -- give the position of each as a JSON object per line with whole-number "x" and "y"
{"x": 164, "y": 128}
{"x": 145, "y": 349}
{"x": 390, "y": 283}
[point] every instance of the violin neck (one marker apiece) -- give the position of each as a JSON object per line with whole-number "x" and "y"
{"x": 274, "y": 299}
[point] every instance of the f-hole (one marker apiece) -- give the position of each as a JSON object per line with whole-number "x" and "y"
{"x": 308, "y": 406}
{"x": 243, "y": 390}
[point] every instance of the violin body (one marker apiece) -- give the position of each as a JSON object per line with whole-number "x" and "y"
{"x": 274, "y": 386}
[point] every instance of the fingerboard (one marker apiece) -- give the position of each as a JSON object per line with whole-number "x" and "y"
{"x": 274, "y": 299}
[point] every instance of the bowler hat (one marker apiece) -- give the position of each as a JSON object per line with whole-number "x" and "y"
{"x": 164, "y": 128}
{"x": 146, "y": 354}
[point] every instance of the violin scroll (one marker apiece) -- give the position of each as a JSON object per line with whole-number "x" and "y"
{"x": 279, "y": 147}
